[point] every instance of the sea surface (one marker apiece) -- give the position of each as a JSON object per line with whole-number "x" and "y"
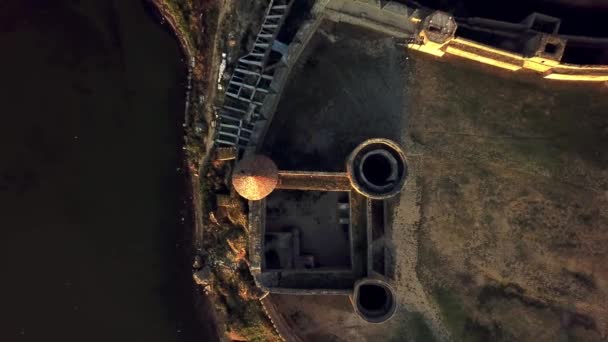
{"x": 91, "y": 198}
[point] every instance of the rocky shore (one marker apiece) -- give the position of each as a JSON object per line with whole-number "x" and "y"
{"x": 193, "y": 156}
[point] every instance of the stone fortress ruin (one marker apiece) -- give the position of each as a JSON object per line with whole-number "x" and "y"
{"x": 320, "y": 223}
{"x": 323, "y": 232}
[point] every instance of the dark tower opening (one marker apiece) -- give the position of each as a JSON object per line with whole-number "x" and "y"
{"x": 272, "y": 260}
{"x": 374, "y": 301}
{"x": 373, "y": 297}
{"x": 377, "y": 169}
{"x": 551, "y": 48}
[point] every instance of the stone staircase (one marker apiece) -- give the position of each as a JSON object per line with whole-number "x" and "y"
{"x": 250, "y": 81}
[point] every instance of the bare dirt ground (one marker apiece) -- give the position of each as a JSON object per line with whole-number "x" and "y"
{"x": 513, "y": 239}
{"x": 345, "y": 80}
{"x": 501, "y": 232}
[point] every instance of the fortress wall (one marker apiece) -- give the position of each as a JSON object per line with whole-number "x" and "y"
{"x": 506, "y": 60}
{"x": 401, "y": 21}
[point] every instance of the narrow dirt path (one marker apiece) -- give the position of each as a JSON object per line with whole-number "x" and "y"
{"x": 409, "y": 290}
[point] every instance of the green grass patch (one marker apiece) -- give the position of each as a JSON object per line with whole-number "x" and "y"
{"x": 414, "y": 328}
{"x": 452, "y": 311}
{"x": 456, "y": 317}
{"x": 419, "y": 330}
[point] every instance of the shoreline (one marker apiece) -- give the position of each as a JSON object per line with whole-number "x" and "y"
{"x": 205, "y": 23}
{"x": 193, "y": 201}
{"x": 166, "y": 15}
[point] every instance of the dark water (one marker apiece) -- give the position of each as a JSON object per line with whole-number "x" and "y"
{"x": 91, "y": 103}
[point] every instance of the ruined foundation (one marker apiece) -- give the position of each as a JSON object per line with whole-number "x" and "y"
{"x": 320, "y": 232}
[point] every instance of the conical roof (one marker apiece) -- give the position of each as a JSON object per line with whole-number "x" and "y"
{"x": 255, "y": 177}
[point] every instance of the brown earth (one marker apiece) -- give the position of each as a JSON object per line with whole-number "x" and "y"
{"x": 501, "y": 232}
{"x": 513, "y": 237}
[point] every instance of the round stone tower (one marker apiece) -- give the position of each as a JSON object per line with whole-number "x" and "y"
{"x": 377, "y": 168}
{"x": 374, "y": 300}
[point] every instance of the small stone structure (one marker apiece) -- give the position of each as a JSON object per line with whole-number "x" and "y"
{"x": 322, "y": 232}
{"x": 255, "y": 177}
{"x": 437, "y": 29}
{"x": 226, "y": 153}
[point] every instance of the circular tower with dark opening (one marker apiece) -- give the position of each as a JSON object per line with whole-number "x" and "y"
{"x": 377, "y": 168}
{"x": 373, "y": 300}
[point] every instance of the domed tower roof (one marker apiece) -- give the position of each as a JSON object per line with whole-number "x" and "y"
{"x": 255, "y": 177}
